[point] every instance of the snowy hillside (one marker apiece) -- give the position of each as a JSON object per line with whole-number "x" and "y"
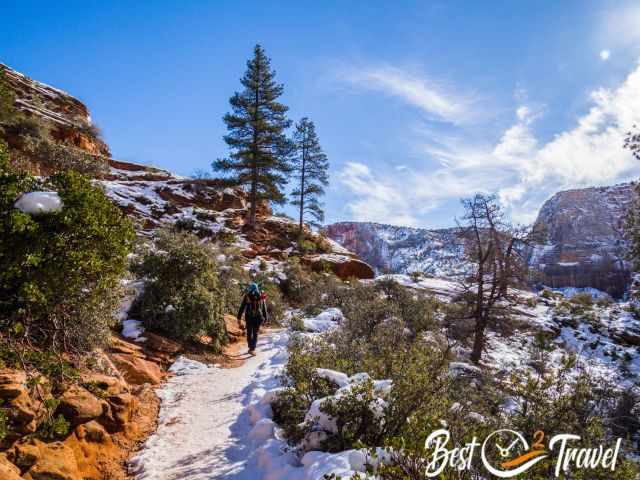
{"x": 582, "y": 242}
{"x": 400, "y": 249}
{"x": 154, "y": 198}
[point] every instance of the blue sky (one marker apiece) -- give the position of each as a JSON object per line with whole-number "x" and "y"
{"x": 416, "y": 103}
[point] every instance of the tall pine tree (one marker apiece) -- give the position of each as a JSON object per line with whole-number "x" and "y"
{"x": 311, "y": 166}
{"x": 260, "y": 157}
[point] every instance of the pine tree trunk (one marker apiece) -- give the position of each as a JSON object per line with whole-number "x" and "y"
{"x": 304, "y": 158}
{"x": 253, "y": 198}
{"x": 255, "y": 153}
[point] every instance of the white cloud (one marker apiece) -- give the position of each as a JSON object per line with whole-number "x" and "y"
{"x": 619, "y": 26}
{"x": 427, "y": 95}
{"x": 518, "y": 167}
{"x": 376, "y": 200}
{"x": 604, "y": 55}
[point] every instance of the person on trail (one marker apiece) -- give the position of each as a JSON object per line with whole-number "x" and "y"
{"x": 254, "y": 307}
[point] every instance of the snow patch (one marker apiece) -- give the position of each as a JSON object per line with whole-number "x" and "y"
{"x": 35, "y": 203}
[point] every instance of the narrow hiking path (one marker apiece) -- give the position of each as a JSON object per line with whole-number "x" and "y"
{"x": 204, "y": 423}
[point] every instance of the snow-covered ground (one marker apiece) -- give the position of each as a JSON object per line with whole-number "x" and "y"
{"x": 205, "y": 421}
{"x": 215, "y": 423}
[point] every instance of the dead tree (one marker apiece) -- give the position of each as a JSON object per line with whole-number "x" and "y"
{"x": 495, "y": 252}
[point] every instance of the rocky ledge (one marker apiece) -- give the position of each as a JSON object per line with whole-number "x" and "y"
{"x": 584, "y": 245}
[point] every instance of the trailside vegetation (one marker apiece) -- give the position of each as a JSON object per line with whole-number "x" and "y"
{"x": 182, "y": 297}
{"x": 60, "y": 271}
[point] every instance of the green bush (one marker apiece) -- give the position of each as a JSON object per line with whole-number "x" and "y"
{"x": 54, "y": 428}
{"x": 182, "y": 296}
{"x": 233, "y": 279}
{"x": 60, "y": 272}
{"x": 297, "y": 324}
{"x": 583, "y": 299}
{"x": 4, "y": 427}
{"x": 356, "y": 421}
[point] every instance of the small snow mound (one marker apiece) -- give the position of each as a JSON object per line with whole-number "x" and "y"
{"x": 133, "y": 329}
{"x": 35, "y": 203}
{"x": 185, "y": 366}
{"x": 326, "y": 320}
{"x": 339, "y": 378}
{"x": 459, "y": 368}
{"x": 262, "y": 431}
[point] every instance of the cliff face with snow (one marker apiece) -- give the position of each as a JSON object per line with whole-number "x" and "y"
{"x": 156, "y": 198}
{"x": 584, "y": 245}
{"x": 400, "y": 249}
{"x": 66, "y": 119}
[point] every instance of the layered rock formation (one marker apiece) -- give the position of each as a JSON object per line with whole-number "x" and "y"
{"x": 67, "y": 117}
{"x": 400, "y": 249}
{"x": 584, "y": 246}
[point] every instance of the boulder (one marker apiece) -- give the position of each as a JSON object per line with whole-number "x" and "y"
{"x": 343, "y": 266}
{"x": 136, "y": 370}
{"x": 109, "y": 384}
{"x": 23, "y": 410}
{"x": 94, "y": 451}
{"x": 121, "y": 346}
{"x": 119, "y": 413}
{"x": 80, "y": 406}
{"x": 231, "y": 198}
{"x": 8, "y": 471}
{"x": 92, "y": 432}
{"x": 55, "y": 461}
{"x": 161, "y": 344}
{"x": 24, "y": 454}
{"x": 12, "y": 383}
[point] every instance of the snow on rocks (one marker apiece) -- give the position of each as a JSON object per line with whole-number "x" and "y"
{"x": 133, "y": 329}
{"x": 339, "y": 378}
{"x": 35, "y": 203}
{"x": 325, "y": 321}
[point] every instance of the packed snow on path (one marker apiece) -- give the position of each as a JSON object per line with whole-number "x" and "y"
{"x": 215, "y": 423}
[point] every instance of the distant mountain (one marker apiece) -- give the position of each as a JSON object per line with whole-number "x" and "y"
{"x": 394, "y": 249}
{"x": 583, "y": 246}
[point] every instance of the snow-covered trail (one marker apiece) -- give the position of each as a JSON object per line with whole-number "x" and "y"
{"x": 204, "y": 422}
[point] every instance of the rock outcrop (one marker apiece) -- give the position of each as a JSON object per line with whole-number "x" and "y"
{"x": 107, "y": 416}
{"x": 67, "y": 117}
{"x": 394, "y": 249}
{"x": 584, "y": 245}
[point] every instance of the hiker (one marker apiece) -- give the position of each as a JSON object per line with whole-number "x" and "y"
{"x": 254, "y": 307}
